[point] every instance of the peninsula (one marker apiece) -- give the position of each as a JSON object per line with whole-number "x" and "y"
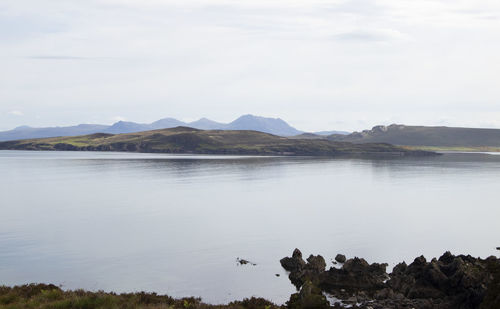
{"x": 195, "y": 141}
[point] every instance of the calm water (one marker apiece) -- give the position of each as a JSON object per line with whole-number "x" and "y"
{"x": 176, "y": 224}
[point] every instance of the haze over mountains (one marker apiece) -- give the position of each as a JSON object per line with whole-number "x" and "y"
{"x": 274, "y": 126}
{"x": 444, "y": 137}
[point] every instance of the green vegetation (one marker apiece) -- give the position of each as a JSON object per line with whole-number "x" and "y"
{"x": 43, "y": 296}
{"x": 309, "y": 297}
{"x": 189, "y": 140}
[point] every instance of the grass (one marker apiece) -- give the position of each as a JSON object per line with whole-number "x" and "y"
{"x": 43, "y": 296}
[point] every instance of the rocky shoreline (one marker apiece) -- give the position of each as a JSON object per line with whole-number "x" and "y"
{"x": 449, "y": 282}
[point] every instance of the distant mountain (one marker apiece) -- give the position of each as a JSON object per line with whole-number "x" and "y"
{"x": 274, "y": 126}
{"x": 25, "y": 132}
{"x": 126, "y": 127}
{"x": 166, "y": 123}
{"x": 424, "y": 136}
{"x": 207, "y": 124}
{"x": 131, "y": 127}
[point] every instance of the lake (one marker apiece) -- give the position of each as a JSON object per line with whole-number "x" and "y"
{"x": 176, "y": 224}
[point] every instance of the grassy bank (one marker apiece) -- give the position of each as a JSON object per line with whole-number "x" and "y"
{"x": 43, "y": 296}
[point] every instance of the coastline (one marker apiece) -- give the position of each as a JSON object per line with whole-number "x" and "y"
{"x": 455, "y": 149}
{"x": 183, "y": 140}
{"x": 449, "y": 282}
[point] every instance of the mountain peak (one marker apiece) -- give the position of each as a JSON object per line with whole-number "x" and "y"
{"x": 274, "y": 126}
{"x": 167, "y": 123}
{"x": 207, "y": 124}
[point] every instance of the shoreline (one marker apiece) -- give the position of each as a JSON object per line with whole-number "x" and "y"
{"x": 448, "y": 282}
{"x": 454, "y": 149}
{"x": 216, "y": 142}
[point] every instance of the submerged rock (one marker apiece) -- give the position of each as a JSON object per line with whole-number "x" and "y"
{"x": 244, "y": 262}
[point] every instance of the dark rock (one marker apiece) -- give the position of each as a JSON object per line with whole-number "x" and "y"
{"x": 340, "y": 258}
{"x": 355, "y": 275}
{"x": 297, "y": 254}
{"x": 492, "y": 297}
{"x": 450, "y": 282}
{"x": 294, "y": 263}
{"x": 316, "y": 263}
{"x": 457, "y": 281}
{"x": 384, "y": 294}
{"x": 361, "y": 296}
{"x": 446, "y": 258}
{"x": 309, "y": 271}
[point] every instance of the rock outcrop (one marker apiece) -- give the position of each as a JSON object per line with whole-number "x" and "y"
{"x": 450, "y": 282}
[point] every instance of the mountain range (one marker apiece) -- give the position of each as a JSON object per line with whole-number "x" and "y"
{"x": 275, "y": 126}
{"x": 422, "y": 137}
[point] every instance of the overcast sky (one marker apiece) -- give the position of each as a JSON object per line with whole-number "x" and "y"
{"x": 320, "y": 65}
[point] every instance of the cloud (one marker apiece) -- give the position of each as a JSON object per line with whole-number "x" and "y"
{"x": 15, "y": 113}
{"x": 315, "y": 60}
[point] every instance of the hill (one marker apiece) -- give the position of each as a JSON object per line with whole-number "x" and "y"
{"x": 190, "y": 140}
{"x": 422, "y": 136}
{"x": 274, "y": 126}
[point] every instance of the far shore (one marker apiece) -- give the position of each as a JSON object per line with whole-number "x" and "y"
{"x": 457, "y": 149}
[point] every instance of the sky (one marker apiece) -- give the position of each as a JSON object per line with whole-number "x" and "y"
{"x": 319, "y": 65}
